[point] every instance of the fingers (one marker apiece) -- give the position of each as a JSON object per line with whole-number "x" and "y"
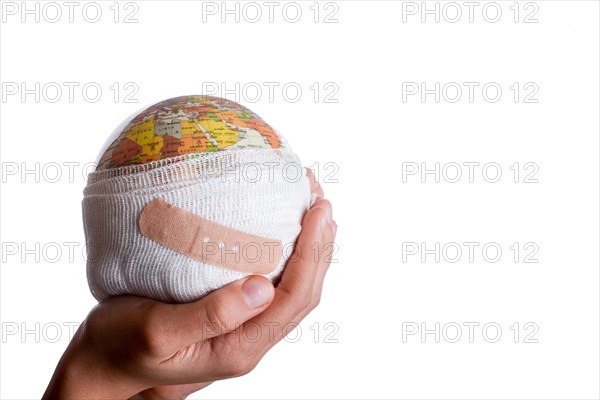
{"x": 304, "y": 272}
{"x": 329, "y": 249}
{"x": 220, "y": 312}
{"x": 315, "y": 186}
{"x": 301, "y": 268}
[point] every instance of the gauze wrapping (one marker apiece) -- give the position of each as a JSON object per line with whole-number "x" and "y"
{"x": 258, "y": 190}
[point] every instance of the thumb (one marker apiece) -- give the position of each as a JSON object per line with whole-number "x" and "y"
{"x": 222, "y": 311}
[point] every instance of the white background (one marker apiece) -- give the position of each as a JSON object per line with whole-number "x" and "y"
{"x": 371, "y": 296}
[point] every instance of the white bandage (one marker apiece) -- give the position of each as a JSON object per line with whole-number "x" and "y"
{"x": 121, "y": 260}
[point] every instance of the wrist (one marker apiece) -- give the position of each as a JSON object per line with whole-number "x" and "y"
{"x": 82, "y": 374}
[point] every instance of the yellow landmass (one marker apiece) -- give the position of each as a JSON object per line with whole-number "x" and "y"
{"x": 188, "y": 128}
{"x": 223, "y": 134}
{"x": 142, "y": 133}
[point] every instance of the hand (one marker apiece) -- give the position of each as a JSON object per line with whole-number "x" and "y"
{"x": 129, "y": 344}
{"x": 182, "y": 391}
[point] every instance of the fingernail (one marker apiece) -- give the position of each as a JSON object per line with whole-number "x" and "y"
{"x": 257, "y": 292}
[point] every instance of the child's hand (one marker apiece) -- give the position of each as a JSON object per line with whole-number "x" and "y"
{"x": 130, "y": 344}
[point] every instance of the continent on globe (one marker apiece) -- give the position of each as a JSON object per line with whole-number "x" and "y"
{"x": 187, "y": 125}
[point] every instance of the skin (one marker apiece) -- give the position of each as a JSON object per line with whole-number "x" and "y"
{"x": 133, "y": 347}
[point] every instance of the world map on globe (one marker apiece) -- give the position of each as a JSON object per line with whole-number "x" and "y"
{"x": 186, "y": 125}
